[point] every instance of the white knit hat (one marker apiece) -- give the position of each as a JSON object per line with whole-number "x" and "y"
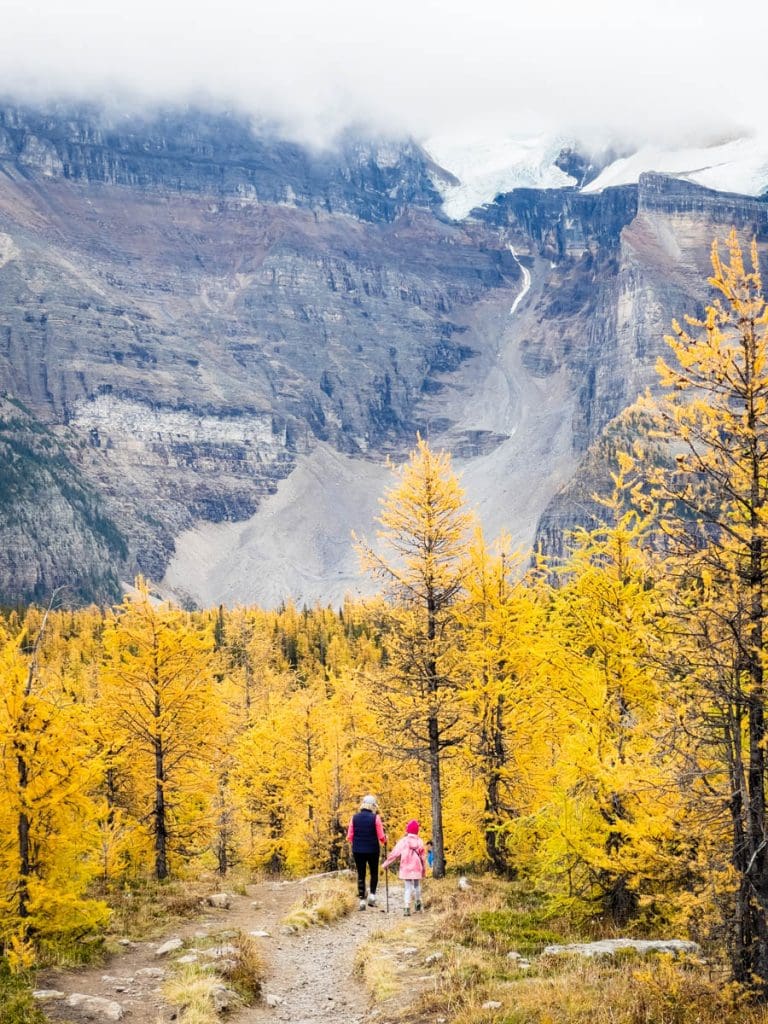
{"x": 369, "y": 802}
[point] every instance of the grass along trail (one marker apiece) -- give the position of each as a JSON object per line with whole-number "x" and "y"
{"x": 309, "y": 972}
{"x": 483, "y": 952}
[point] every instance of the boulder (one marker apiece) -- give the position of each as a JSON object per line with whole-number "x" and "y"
{"x": 118, "y": 984}
{"x": 169, "y": 947}
{"x": 221, "y": 900}
{"x": 95, "y": 1006}
{"x": 609, "y": 947}
{"x": 220, "y": 965}
{"x": 45, "y": 995}
{"x": 150, "y": 972}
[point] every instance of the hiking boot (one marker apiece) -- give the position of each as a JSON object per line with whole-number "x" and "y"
{"x": 418, "y": 905}
{"x": 407, "y": 911}
{"x": 362, "y": 905}
{"x": 372, "y": 900}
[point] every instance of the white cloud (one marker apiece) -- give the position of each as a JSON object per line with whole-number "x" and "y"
{"x": 644, "y": 70}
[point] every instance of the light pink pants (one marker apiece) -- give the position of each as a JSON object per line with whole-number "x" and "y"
{"x": 412, "y": 888}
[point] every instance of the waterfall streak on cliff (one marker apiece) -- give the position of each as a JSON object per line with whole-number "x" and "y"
{"x": 526, "y": 282}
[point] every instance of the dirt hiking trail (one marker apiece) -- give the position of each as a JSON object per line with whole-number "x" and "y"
{"x": 309, "y": 973}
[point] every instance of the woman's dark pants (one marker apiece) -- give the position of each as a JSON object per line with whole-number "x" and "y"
{"x": 361, "y": 861}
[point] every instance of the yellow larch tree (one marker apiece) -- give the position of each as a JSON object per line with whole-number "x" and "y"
{"x": 47, "y": 777}
{"x": 421, "y": 561}
{"x": 498, "y": 619}
{"x": 158, "y": 693}
{"x": 610, "y": 780}
{"x": 714, "y": 513}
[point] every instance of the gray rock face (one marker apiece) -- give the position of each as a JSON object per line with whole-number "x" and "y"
{"x": 614, "y": 304}
{"x": 188, "y": 337}
{"x": 190, "y": 310}
{"x": 222, "y": 155}
{"x": 54, "y": 528}
{"x": 609, "y": 947}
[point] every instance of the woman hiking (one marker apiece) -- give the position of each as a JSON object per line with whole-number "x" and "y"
{"x": 366, "y": 834}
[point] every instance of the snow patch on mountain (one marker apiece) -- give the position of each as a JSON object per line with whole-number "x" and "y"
{"x": 488, "y": 167}
{"x": 740, "y": 165}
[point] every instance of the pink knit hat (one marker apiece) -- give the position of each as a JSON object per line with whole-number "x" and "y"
{"x": 412, "y": 827}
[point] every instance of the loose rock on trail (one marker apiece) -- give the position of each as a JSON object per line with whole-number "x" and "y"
{"x": 309, "y": 973}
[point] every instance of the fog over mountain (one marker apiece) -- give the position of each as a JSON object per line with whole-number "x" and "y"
{"x": 653, "y": 71}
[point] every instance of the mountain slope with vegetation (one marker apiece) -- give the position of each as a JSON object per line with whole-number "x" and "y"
{"x": 54, "y": 531}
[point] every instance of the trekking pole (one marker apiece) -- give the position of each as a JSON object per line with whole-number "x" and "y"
{"x": 386, "y": 882}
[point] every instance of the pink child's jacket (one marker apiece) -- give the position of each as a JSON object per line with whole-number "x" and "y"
{"x": 411, "y": 851}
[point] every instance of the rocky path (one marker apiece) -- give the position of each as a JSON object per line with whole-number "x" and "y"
{"x": 309, "y": 974}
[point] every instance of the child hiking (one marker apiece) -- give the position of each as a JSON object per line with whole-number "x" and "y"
{"x": 366, "y": 833}
{"x": 411, "y": 853}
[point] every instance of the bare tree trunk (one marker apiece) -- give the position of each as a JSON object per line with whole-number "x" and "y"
{"x": 757, "y": 866}
{"x": 161, "y": 826}
{"x": 222, "y": 837}
{"x": 436, "y": 799}
{"x": 496, "y": 754}
{"x": 25, "y": 866}
{"x": 23, "y": 824}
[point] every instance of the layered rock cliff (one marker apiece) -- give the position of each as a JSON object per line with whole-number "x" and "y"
{"x": 225, "y": 333}
{"x": 201, "y": 305}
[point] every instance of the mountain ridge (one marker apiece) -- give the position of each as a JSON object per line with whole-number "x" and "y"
{"x": 200, "y": 345}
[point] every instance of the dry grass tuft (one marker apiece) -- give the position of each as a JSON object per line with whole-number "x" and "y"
{"x": 322, "y": 904}
{"x": 149, "y": 908}
{"x": 192, "y": 989}
{"x": 589, "y": 992}
{"x": 249, "y": 971}
{"x": 375, "y": 967}
{"x": 193, "y": 986}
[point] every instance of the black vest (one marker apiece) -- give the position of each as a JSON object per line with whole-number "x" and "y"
{"x": 364, "y": 838}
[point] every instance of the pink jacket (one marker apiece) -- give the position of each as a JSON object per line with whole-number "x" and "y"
{"x": 411, "y": 851}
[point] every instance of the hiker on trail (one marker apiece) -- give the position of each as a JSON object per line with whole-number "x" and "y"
{"x": 366, "y": 833}
{"x": 430, "y": 854}
{"x": 412, "y": 854}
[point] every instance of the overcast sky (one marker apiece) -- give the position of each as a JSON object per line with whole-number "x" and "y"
{"x": 652, "y": 68}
